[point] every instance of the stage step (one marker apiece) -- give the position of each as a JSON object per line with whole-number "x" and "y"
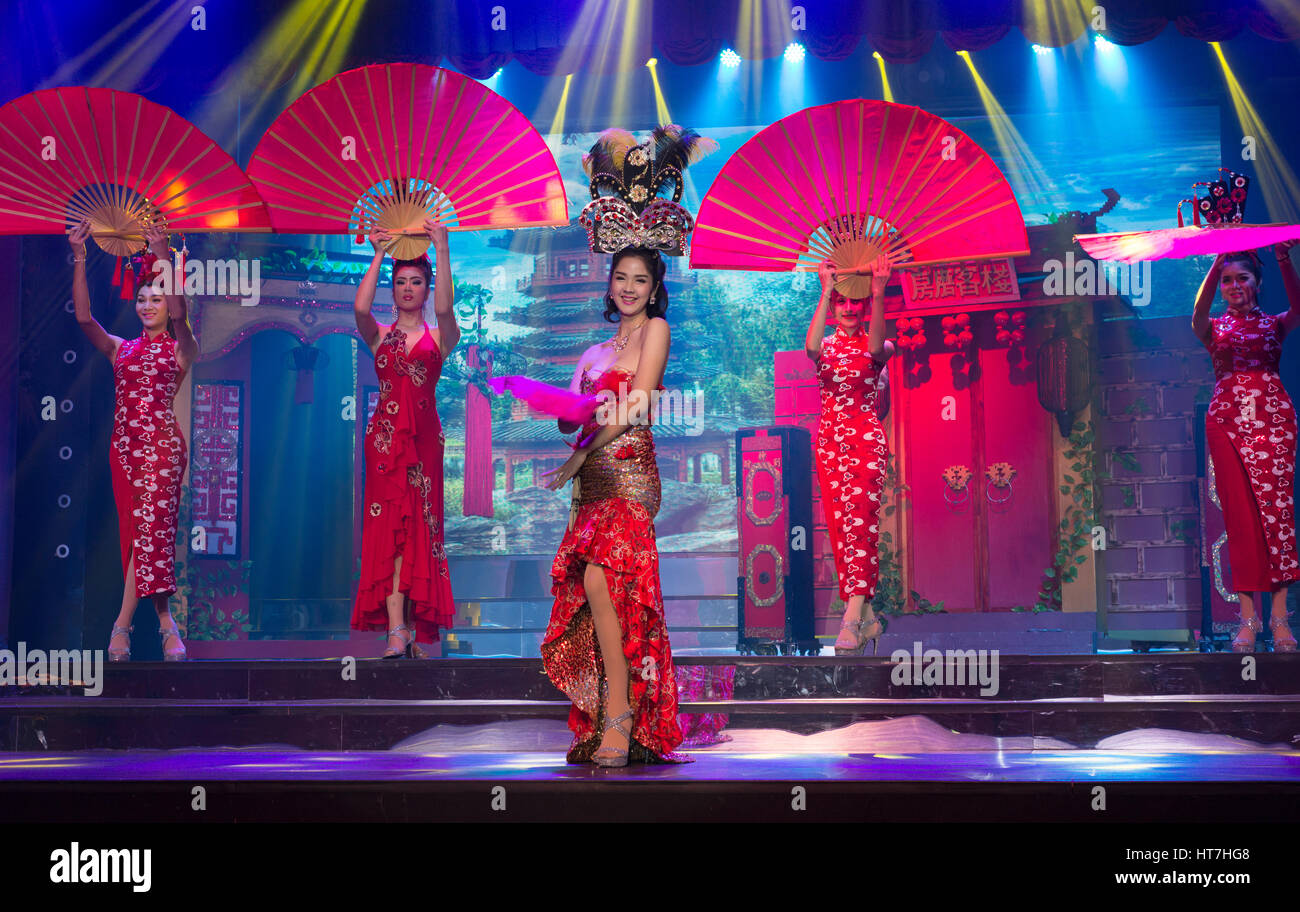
{"x": 749, "y": 677}
{"x": 36, "y": 723}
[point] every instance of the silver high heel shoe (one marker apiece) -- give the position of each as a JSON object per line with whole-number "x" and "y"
{"x": 174, "y": 655}
{"x": 402, "y": 632}
{"x": 618, "y": 755}
{"x": 859, "y": 633}
{"x": 120, "y": 655}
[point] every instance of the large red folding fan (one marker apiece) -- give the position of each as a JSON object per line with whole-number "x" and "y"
{"x": 849, "y": 181}
{"x": 120, "y": 161}
{"x": 391, "y": 145}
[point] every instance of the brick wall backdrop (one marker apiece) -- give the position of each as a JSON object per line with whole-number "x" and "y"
{"x": 1150, "y": 374}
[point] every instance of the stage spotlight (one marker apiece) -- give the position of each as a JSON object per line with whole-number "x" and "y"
{"x": 1102, "y": 44}
{"x": 794, "y": 53}
{"x": 1040, "y": 50}
{"x": 652, "y": 62}
{"x": 730, "y": 58}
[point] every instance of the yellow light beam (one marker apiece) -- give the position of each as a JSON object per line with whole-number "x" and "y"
{"x": 661, "y": 105}
{"x": 1023, "y": 168}
{"x": 1275, "y": 178}
{"x": 557, "y": 123}
{"x": 262, "y": 74}
{"x": 1056, "y": 23}
{"x": 888, "y": 94}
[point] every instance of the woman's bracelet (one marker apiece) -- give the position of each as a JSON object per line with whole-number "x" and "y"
{"x": 80, "y": 259}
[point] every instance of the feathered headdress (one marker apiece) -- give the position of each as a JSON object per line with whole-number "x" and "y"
{"x": 636, "y": 189}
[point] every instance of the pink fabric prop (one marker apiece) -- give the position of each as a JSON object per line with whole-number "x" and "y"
{"x": 1175, "y": 243}
{"x": 576, "y": 408}
{"x": 872, "y": 167}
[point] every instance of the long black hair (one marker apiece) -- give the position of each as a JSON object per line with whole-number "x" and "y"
{"x": 654, "y": 264}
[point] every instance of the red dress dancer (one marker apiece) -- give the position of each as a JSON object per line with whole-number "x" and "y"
{"x": 1250, "y": 432}
{"x": 616, "y": 500}
{"x": 606, "y": 645}
{"x": 147, "y": 454}
{"x": 851, "y": 454}
{"x": 1251, "y": 423}
{"x": 403, "y": 504}
{"x": 148, "y": 459}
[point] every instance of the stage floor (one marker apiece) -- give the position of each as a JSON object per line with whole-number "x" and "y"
{"x": 279, "y": 785}
{"x": 278, "y": 765}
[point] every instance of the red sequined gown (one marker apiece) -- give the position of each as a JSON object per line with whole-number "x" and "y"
{"x": 617, "y": 497}
{"x": 148, "y": 458}
{"x": 1251, "y": 435}
{"x": 851, "y": 456}
{"x": 403, "y": 506}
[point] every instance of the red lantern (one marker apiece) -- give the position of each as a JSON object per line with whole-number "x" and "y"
{"x": 1064, "y": 385}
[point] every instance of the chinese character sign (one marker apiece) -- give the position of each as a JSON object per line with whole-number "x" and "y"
{"x": 962, "y": 283}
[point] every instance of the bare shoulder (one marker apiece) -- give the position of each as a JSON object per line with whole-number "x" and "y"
{"x": 657, "y": 332}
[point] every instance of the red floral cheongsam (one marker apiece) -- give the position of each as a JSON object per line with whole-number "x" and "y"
{"x": 148, "y": 460}
{"x": 851, "y": 455}
{"x": 1251, "y": 435}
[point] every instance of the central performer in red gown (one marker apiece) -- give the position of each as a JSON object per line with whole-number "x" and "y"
{"x": 606, "y": 645}
{"x": 405, "y": 585}
{"x": 851, "y": 450}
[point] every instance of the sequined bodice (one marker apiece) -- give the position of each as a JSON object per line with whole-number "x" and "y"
{"x": 626, "y": 466}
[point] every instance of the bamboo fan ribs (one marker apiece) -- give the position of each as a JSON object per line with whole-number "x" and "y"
{"x": 119, "y": 161}
{"x": 850, "y": 181}
{"x": 393, "y": 145}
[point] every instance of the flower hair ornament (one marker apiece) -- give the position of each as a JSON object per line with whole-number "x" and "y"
{"x": 1224, "y": 202}
{"x": 627, "y": 183}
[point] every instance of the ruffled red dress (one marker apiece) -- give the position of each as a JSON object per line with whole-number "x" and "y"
{"x": 403, "y": 506}
{"x": 616, "y": 498}
{"x": 851, "y": 455}
{"x": 1250, "y": 431}
{"x": 148, "y": 458}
